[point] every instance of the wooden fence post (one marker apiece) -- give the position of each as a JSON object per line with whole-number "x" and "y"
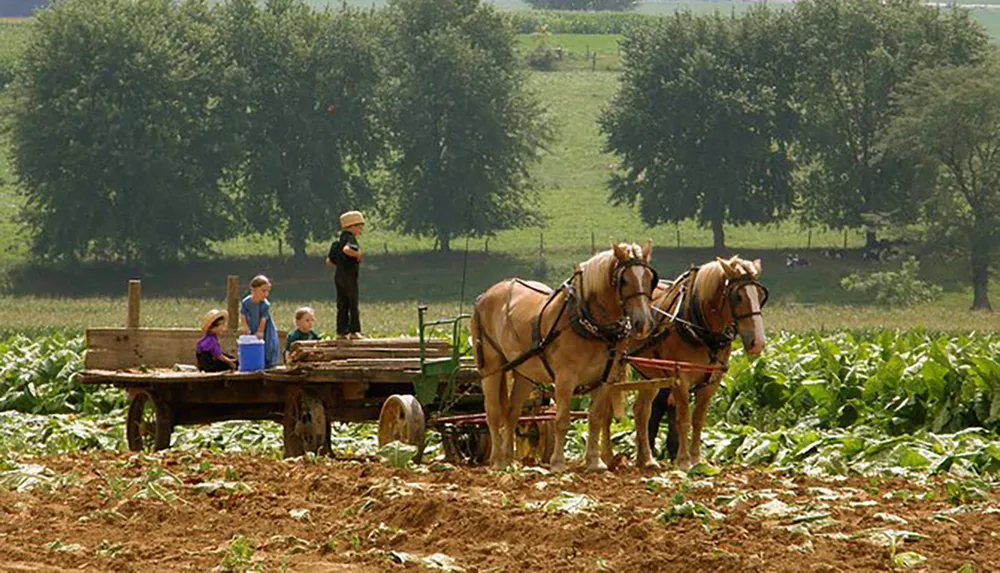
{"x": 809, "y": 241}
{"x": 233, "y": 301}
{"x": 134, "y": 294}
{"x": 845, "y": 239}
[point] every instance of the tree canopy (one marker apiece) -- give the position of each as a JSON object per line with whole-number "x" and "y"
{"x": 949, "y": 122}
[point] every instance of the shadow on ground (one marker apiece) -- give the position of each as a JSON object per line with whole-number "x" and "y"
{"x": 436, "y": 276}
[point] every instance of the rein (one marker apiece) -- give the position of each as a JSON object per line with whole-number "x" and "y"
{"x": 694, "y": 329}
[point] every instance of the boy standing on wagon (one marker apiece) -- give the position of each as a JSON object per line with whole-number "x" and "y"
{"x": 255, "y": 316}
{"x": 345, "y": 255}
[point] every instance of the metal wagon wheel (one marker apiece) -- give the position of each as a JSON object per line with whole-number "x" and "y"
{"x": 468, "y": 444}
{"x": 148, "y": 424}
{"x": 305, "y": 424}
{"x": 534, "y": 442}
{"x": 402, "y": 420}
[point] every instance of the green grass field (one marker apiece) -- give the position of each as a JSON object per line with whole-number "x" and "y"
{"x": 400, "y": 271}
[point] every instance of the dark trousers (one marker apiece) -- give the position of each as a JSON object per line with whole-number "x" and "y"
{"x": 660, "y": 408}
{"x": 348, "y": 318}
{"x": 209, "y": 363}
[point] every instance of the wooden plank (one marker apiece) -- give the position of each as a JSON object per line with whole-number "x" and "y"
{"x": 91, "y": 376}
{"x": 118, "y": 348}
{"x": 233, "y": 302}
{"x": 330, "y": 354}
{"x": 404, "y": 342}
{"x": 134, "y": 295}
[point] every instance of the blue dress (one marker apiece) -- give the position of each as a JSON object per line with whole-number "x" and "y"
{"x": 253, "y": 312}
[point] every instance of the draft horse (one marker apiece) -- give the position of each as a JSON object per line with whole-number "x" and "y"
{"x": 698, "y": 317}
{"x": 565, "y": 341}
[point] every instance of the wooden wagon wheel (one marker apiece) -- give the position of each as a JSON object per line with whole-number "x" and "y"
{"x": 402, "y": 420}
{"x": 148, "y": 424}
{"x": 306, "y": 427}
{"x": 466, "y": 444}
{"x": 533, "y": 442}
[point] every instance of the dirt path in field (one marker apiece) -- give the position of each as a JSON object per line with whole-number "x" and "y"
{"x": 117, "y": 512}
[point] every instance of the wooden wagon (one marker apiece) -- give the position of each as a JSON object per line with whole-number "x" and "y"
{"x": 406, "y": 384}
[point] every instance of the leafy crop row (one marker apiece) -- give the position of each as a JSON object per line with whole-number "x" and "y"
{"x": 556, "y": 22}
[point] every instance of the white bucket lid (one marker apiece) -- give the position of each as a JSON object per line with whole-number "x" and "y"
{"x": 248, "y": 339}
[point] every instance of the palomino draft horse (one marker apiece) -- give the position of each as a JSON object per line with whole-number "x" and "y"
{"x": 700, "y": 315}
{"x": 572, "y": 338}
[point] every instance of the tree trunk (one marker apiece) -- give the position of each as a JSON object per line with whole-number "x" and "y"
{"x": 718, "y": 235}
{"x": 980, "y": 280}
{"x": 871, "y": 237}
{"x": 445, "y": 239}
{"x": 297, "y": 238}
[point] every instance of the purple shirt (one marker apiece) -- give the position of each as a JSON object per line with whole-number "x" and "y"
{"x": 209, "y": 343}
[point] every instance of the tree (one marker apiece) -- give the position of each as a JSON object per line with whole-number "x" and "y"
{"x": 853, "y": 55}
{"x": 589, "y": 5}
{"x": 304, "y": 96}
{"x": 465, "y": 127}
{"x": 117, "y": 142}
{"x": 702, "y": 120}
{"x": 949, "y": 121}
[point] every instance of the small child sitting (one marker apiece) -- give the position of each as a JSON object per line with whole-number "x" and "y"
{"x": 208, "y": 350}
{"x": 304, "y": 320}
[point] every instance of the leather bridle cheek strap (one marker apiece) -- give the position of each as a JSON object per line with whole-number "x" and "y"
{"x": 620, "y": 283}
{"x": 733, "y": 296}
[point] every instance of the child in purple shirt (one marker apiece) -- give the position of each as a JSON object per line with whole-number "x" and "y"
{"x": 209, "y": 351}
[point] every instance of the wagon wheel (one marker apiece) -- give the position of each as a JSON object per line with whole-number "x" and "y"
{"x": 402, "y": 420}
{"x": 306, "y": 427}
{"x": 149, "y": 424}
{"x": 466, "y": 444}
{"x": 533, "y": 442}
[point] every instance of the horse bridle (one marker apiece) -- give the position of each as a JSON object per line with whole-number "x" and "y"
{"x": 618, "y": 330}
{"x": 733, "y": 288}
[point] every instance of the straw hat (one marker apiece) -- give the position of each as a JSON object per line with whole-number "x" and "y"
{"x": 351, "y": 218}
{"x": 211, "y": 317}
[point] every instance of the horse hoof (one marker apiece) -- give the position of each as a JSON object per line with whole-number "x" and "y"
{"x": 557, "y": 468}
{"x": 651, "y": 465}
{"x": 597, "y": 467}
{"x": 684, "y": 466}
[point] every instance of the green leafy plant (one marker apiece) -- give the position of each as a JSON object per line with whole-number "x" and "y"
{"x": 894, "y": 289}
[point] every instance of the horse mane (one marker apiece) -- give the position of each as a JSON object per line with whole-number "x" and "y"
{"x": 710, "y": 277}
{"x": 596, "y": 271}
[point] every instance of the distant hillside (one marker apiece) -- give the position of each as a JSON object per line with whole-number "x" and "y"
{"x": 19, "y": 8}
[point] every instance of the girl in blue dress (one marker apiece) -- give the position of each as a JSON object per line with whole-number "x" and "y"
{"x": 255, "y": 316}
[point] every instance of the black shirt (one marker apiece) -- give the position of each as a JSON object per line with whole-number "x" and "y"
{"x": 344, "y": 263}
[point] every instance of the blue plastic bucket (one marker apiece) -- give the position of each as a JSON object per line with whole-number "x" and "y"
{"x": 251, "y": 351}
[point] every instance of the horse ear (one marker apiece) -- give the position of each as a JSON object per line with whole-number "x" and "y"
{"x": 756, "y": 264}
{"x": 647, "y": 250}
{"x": 727, "y": 268}
{"x": 619, "y": 252}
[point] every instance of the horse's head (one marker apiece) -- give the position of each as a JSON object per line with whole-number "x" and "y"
{"x": 634, "y": 281}
{"x": 742, "y": 298}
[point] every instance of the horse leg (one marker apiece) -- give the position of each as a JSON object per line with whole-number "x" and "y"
{"x": 519, "y": 393}
{"x": 680, "y": 395}
{"x": 493, "y": 401}
{"x": 703, "y": 397}
{"x": 598, "y": 417}
{"x": 564, "y": 393}
{"x": 643, "y": 440}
